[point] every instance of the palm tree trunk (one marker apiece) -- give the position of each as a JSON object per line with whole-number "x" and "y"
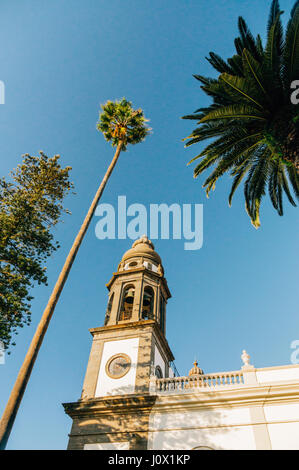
{"x": 18, "y": 390}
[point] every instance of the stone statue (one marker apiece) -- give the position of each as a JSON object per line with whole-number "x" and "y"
{"x": 246, "y": 358}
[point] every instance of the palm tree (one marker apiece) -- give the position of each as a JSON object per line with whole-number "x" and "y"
{"x": 255, "y": 124}
{"x": 121, "y": 125}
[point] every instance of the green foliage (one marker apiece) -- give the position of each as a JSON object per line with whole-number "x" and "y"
{"x": 120, "y": 122}
{"x": 30, "y": 205}
{"x": 251, "y": 116}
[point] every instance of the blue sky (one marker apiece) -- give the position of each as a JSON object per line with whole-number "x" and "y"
{"x": 59, "y": 61}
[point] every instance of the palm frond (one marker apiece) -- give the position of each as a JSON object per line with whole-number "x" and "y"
{"x": 286, "y": 188}
{"x": 242, "y": 87}
{"x": 254, "y": 70}
{"x": 238, "y": 177}
{"x": 227, "y": 162}
{"x": 235, "y": 111}
{"x": 251, "y": 122}
{"x": 273, "y": 50}
{"x": 247, "y": 39}
{"x": 291, "y": 49}
{"x": 294, "y": 179}
{"x": 259, "y": 45}
{"x": 218, "y": 63}
{"x": 274, "y": 12}
{"x": 236, "y": 64}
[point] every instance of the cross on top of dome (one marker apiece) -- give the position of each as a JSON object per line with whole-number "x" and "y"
{"x": 143, "y": 239}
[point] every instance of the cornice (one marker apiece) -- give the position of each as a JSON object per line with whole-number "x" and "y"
{"x": 241, "y": 396}
{"x": 143, "y": 270}
{"x": 135, "y": 326}
{"x": 141, "y": 324}
{"x": 128, "y": 404}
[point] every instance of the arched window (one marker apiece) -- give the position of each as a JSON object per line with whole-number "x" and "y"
{"x": 158, "y": 372}
{"x": 148, "y": 304}
{"x": 202, "y": 448}
{"x": 127, "y": 303}
{"x": 162, "y": 313}
{"x": 133, "y": 264}
{"x": 109, "y": 308}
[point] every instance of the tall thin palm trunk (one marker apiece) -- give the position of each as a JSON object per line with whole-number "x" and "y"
{"x": 18, "y": 390}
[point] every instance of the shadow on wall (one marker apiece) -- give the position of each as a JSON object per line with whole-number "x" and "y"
{"x": 140, "y": 366}
{"x": 186, "y": 430}
{"x": 116, "y": 417}
{"x": 133, "y": 418}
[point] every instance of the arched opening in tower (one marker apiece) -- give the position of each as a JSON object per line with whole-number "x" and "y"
{"x": 148, "y": 304}
{"x": 127, "y": 303}
{"x": 109, "y": 308}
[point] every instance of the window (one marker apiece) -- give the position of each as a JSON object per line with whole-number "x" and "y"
{"x": 127, "y": 303}
{"x": 133, "y": 264}
{"x": 162, "y": 313}
{"x": 158, "y": 372}
{"x": 109, "y": 308}
{"x": 147, "y": 312}
{"x": 202, "y": 448}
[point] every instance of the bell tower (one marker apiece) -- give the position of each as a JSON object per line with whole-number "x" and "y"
{"x": 126, "y": 352}
{"x": 138, "y": 290}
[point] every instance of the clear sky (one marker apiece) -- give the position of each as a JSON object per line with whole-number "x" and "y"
{"x": 59, "y": 61}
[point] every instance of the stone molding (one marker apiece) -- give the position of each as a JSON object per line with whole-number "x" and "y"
{"x": 243, "y": 396}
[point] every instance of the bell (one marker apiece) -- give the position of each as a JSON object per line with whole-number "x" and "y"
{"x": 146, "y": 312}
{"x": 130, "y": 296}
{"x": 147, "y": 299}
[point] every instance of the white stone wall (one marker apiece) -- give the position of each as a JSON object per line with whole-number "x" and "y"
{"x": 277, "y": 374}
{"x": 261, "y": 413}
{"x": 159, "y": 361}
{"x": 225, "y": 429}
{"x": 109, "y": 386}
{"x": 283, "y": 425}
{"x": 108, "y": 446}
{"x": 215, "y": 428}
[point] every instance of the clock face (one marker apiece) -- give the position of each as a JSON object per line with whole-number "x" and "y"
{"x": 118, "y": 366}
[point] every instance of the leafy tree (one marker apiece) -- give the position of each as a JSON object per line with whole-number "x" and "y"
{"x": 121, "y": 125}
{"x": 255, "y": 124}
{"x": 30, "y": 205}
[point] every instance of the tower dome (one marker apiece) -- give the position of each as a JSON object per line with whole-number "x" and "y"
{"x": 143, "y": 247}
{"x": 195, "y": 369}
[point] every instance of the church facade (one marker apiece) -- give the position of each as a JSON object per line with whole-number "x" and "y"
{"x": 133, "y": 399}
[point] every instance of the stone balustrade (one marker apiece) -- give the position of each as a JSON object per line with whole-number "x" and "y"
{"x": 207, "y": 381}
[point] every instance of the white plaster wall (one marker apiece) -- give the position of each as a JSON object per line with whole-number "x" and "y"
{"x": 230, "y": 438}
{"x": 126, "y": 384}
{"x": 158, "y": 360}
{"x": 108, "y": 446}
{"x": 283, "y": 425}
{"x": 284, "y": 436}
{"x": 202, "y": 417}
{"x": 225, "y": 429}
{"x": 282, "y": 412}
{"x": 277, "y": 375}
